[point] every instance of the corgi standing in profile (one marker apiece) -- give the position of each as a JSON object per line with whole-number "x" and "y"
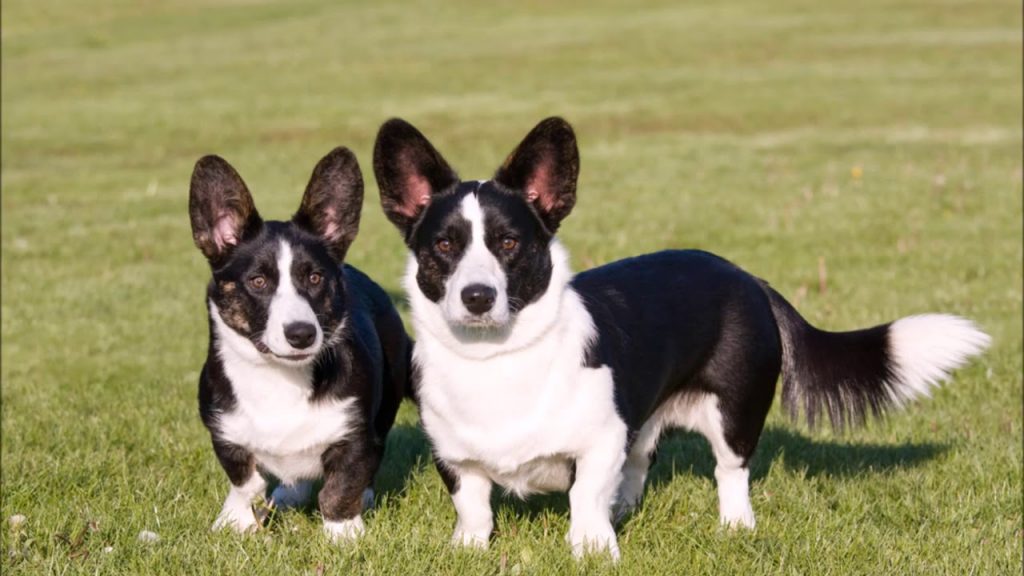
{"x": 538, "y": 380}
{"x": 308, "y": 358}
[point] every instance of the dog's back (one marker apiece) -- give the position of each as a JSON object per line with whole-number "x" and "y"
{"x": 395, "y": 347}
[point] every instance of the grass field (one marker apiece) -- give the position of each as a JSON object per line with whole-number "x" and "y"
{"x": 864, "y": 157}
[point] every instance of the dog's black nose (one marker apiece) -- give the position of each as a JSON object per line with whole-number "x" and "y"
{"x": 478, "y": 298}
{"x": 300, "y": 334}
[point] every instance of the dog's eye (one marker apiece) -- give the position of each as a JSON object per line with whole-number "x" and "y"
{"x": 315, "y": 278}
{"x": 508, "y": 243}
{"x": 443, "y": 245}
{"x": 258, "y": 282}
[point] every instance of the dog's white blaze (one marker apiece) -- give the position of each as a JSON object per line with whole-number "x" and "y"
{"x": 927, "y": 348}
{"x": 274, "y": 417}
{"x": 287, "y": 307}
{"x": 477, "y": 266}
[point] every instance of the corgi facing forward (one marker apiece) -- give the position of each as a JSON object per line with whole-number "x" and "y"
{"x": 538, "y": 380}
{"x": 308, "y": 359}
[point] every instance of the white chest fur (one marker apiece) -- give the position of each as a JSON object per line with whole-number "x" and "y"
{"x": 274, "y": 417}
{"x": 521, "y": 415}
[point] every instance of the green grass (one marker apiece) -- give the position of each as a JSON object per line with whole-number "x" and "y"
{"x": 880, "y": 139}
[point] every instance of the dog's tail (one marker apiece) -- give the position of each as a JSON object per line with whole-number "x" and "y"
{"x": 849, "y": 375}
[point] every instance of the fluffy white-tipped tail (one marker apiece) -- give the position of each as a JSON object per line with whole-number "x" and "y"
{"x": 848, "y": 376}
{"x": 926, "y": 348}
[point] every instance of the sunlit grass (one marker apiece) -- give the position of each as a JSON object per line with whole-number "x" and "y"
{"x": 865, "y": 158}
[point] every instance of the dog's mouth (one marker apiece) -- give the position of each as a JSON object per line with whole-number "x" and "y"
{"x": 482, "y": 323}
{"x": 264, "y": 349}
{"x": 294, "y": 357}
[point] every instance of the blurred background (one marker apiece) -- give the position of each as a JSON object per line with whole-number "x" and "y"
{"x": 864, "y": 157}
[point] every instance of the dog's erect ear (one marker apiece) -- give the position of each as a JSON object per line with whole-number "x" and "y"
{"x": 220, "y": 207}
{"x": 333, "y": 201}
{"x": 409, "y": 172}
{"x": 544, "y": 168}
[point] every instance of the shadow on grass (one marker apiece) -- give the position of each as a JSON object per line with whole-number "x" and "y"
{"x": 679, "y": 454}
{"x": 408, "y": 453}
{"x": 686, "y": 453}
{"x": 689, "y": 453}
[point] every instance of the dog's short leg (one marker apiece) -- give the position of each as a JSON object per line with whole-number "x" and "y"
{"x": 598, "y": 475}
{"x": 349, "y": 467}
{"x": 733, "y": 493}
{"x": 237, "y": 511}
{"x": 631, "y": 489}
{"x": 634, "y": 473}
{"x": 246, "y": 484}
{"x": 731, "y": 472}
{"x": 471, "y": 495}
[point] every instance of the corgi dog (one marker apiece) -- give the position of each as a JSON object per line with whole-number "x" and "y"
{"x": 537, "y": 379}
{"x": 308, "y": 359}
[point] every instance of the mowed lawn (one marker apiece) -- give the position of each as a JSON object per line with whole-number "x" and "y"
{"x": 864, "y": 157}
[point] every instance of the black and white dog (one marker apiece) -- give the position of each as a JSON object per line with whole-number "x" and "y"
{"x": 308, "y": 359}
{"x": 538, "y": 380}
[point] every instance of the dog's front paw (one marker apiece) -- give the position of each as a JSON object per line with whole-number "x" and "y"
{"x": 593, "y": 537}
{"x": 736, "y": 517}
{"x": 470, "y": 539}
{"x": 238, "y": 519}
{"x": 344, "y": 531}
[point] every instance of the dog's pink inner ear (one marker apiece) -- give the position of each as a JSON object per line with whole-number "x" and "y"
{"x": 538, "y": 187}
{"x": 225, "y": 230}
{"x": 331, "y": 225}
{"x": 416, "y": 196}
